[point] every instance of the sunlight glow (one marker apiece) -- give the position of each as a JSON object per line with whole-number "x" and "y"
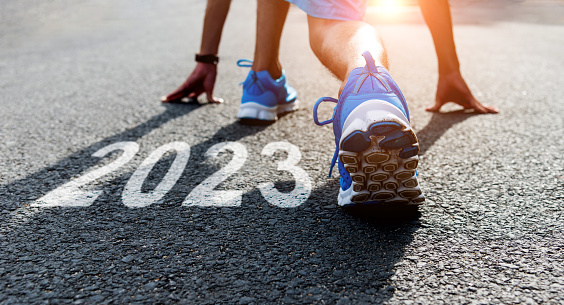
{"x": 388, "y": 7}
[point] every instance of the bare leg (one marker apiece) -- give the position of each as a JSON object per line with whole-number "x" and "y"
{"x": 266, "y": 94}
{"x": 376, "y": 147}
{"x": 339, "y": 45}
{"x": 271, "y": 15}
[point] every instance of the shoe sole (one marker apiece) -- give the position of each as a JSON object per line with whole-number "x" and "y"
{"x": 255, "y": 111}
{"x": 379, "y": 151}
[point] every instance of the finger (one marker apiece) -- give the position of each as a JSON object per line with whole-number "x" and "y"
{"x": 478, "y": 106}
{"x": 197, "y": 92}
{"x": 213, "y": 99}
{"x": 209, "y": 83}
{"x": 491, "y": 109}
{"x": 436, "y": 107}
{"x": 190, "y": 85}
{"x": 179, "y": 93}
{"x": 210, "y": 97}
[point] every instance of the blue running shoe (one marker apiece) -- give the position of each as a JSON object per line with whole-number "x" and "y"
{"x": 376, "y": 147}
{"x": 263, "y": 97}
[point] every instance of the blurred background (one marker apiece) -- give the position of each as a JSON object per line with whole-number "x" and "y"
{"x": 474, "y": 11}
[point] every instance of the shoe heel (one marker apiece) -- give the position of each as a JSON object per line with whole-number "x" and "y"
{"x": 254, "y": 111}
{"x": 379, "y": 151}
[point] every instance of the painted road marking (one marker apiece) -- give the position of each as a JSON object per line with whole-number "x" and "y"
{"x": 303, "y": 182}
{"x": 204, "y": 194}
{"x": 71, "y": 194}
{"x": 132, "y": 195}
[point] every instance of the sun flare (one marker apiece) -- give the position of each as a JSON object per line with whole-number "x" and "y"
{"x": 390, "y": 10}
{"x": 391, "y": 7}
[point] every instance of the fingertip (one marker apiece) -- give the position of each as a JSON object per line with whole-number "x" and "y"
{"x": 492, "y": 109}
{"x": 433, "y": 109}
{"x": 480, "y": 108}
{"x": 216, "y": 100}
{"x": 171, "y": 97}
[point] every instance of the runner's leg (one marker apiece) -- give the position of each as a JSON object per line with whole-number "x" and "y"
{"x": 376, "y": 147}
{"x": 266, "y": 92}
{"x": 339, "y": 44}
{"x": 271, "y": 15}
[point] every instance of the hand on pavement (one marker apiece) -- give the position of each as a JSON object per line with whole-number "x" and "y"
{"x": 202, "y": 80}
{"x": 453, "y": 88}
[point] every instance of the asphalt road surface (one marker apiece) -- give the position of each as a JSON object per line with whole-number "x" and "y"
{"x": 108, "y": 196}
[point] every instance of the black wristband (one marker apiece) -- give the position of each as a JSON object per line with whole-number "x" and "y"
{"x": 207, "y": 58}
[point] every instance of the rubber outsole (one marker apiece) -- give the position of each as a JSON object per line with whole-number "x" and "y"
{"x": 381, "y": 158}
{"x": 251, "y": 111}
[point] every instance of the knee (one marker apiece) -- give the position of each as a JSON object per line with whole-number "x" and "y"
{"x": 318, "y": 30}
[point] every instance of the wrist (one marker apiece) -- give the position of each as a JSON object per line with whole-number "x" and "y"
{"x": 207, "y": 58}
{"x": 446, "y": 71}
{"x": 448, "y": 66}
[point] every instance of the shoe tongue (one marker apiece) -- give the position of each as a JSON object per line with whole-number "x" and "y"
{"x": 370, "y": 63}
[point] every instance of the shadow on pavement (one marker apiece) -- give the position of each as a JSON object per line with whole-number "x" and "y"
{"x": 41, "y": 182}
{"x": 204, "y": 255}
{"x": 438, "y": 125}
{"x": 197, "y": 255}
{"x": 49, "y": 178}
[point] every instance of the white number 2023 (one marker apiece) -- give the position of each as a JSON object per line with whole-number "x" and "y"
{"x": 72, "y": 195}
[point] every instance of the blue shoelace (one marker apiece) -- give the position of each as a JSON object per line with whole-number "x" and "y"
{"x": 329, "y": 121}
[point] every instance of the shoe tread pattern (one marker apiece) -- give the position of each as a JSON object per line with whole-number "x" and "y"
{"x": 381, "y": 162}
